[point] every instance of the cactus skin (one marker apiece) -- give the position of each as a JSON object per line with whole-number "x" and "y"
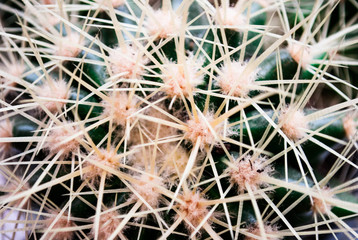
{"x": 151, "y": 144}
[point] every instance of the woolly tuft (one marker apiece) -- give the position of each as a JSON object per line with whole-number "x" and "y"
{"x": 108, "y": 158}
{"x": 127, "y": 59}
{"x": 68, "y": 46}
{"x": 293, "y": 123}
{"x": 119, "y": 107}
{"x": 180, "y": 79}
{"x": 270, "y": 230}
{"x": 231, "y": 77}
{"x": 147, "y": 187}
{"x": 164, "y": 24}
{"x": 108, "y": 223}
{"x": 56, "y": 90}
{"x": 249, "y": 171}
{"x": 58, "y": 135}
{"x": 194, "y": 209}
{"x": 61, "y": 223}
{"x": 229, "y": 17}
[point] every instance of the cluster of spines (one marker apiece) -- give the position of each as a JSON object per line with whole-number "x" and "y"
{"x": 163, "y": 133}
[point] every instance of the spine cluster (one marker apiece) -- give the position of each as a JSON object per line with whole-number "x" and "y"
{"x": 178, "y": 119}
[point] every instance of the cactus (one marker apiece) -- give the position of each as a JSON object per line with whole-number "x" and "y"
{"x": 179, "y": 119}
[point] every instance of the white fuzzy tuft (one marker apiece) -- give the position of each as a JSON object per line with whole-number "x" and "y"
{"x": 271, "y": 232}
{"x": 69, "y": 46}
{"x": 293, "y": 123}
{"x": 108, "y": 158}
{"x": 249, "y": 171}
{"x": 56, "y": 90}
{"x": 194, "y": 209}
{"x": 119, "y": 107}
{"x": 61, "y": 223}
{"x": 147, "y": 187}
{"x": 229, "y": 16}
{"x": 108, "y": 223}
{"x": 164, "y": 25}
{"x": 127, "y": 59}
{"x": 231, "y": 78}
{"x": 15, "y": 70}
{"x": 56, "y": 136}
{"x": 319, "y": 205}
{"x": 181, "y": 78}
{"x": 199, "y": 128}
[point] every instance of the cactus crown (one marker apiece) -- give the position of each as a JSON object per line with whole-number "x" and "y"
{"x": 178, "y": 119}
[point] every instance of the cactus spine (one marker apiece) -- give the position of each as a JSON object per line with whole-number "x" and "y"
{"x": 179, "y": 119}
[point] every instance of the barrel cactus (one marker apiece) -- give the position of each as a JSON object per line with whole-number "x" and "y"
{"x": 131, "y": 119}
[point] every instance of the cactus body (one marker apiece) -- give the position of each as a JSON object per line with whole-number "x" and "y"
{"x": 179, "y": 119}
